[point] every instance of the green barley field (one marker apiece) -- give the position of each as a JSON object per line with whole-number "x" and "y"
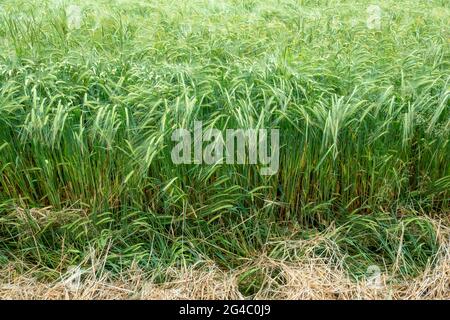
{"x": 91, "y": 92}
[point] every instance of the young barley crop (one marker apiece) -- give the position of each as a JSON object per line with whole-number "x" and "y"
{"x": 88, "y": 104}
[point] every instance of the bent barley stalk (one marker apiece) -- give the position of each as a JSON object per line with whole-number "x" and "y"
{"x": 89, "y": 99}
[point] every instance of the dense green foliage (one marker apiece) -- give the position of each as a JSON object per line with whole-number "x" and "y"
{"x": 86, "y": 117}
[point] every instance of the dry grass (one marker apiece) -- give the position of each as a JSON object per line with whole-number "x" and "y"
{"x": 310, "y": 278}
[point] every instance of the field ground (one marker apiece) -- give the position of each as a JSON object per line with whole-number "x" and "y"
{"x": 92, "y": 205}
{"x": 311, "y": 277}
